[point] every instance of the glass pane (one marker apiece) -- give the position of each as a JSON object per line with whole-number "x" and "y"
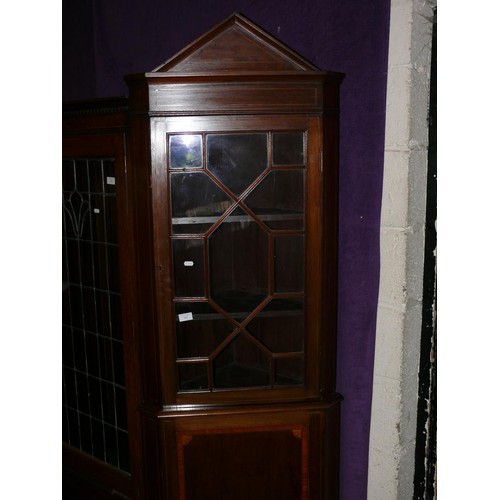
{"x": 82, "y": 179}
{"x": 97, "y": 176}
{"x": 197, "y": 202}
{"x": 239, "y": 266}
{"x": 288, "y": 148}
{"x": 241, "y": 364}
{"x": 111, "y": 226}
{"x": 278, "y": 199}
{"x": 289, "y": 371}
{"x": 68, "y": 175}
{"x": 193, "y": 376}
{"x": 200, "y": 329}
{"x": 237, "y": 159}
{"x": 189, "y": 268}
{"x": 280, "y": 326}
{"x": 94, "y": 395}
{"x": 72, "y": 253}
{"x": 185, "y": 151}
{"x": 289, "y": 263}
{"x": 100, "y": 216}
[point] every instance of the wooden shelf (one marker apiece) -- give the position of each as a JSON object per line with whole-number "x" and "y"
{"x": 238, "y": 375}
{"x": 235, "y": 303}
{"x": 265, "y": 216}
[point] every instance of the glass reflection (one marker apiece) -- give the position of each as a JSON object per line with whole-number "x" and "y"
{"x": 185, "y": 151}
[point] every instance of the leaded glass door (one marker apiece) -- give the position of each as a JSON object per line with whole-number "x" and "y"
{"x": 94, "y": 393}
{"x": 238, "y": 226}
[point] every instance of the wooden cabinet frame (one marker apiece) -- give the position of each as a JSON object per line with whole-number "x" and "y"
{"x": 235, "y": 80}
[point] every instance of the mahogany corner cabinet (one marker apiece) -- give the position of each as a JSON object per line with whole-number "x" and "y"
{"x": 227, "y": 244}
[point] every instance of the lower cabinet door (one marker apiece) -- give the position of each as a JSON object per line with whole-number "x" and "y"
{"x": 244, "y": 463}
{"x": 251, "y": 456}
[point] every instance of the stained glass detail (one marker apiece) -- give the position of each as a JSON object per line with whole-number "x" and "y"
{"x": 94, "y": 395}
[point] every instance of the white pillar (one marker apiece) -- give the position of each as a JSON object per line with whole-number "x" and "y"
{"x": 399, "y": 316}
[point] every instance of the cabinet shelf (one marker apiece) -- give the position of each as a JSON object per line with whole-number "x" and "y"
{"x": 241, "y": 375}
{"x": 239, "y": 305}
{"x": 244, "y": 314}
{"x": 238, "y": 375}
{"x": 263, "y": 215}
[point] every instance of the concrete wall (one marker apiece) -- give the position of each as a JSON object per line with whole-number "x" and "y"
{"x": 397, "y": 350}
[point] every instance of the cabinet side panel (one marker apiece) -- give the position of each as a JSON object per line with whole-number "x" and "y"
{"x": 152, "y": 464}
{"x": 332, "y": 443}
{"x": 330, "y": 131}
{"x": 147, "y": 317}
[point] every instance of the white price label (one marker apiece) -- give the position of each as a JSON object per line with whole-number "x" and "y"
{"x": 110, "y": 180}
{"x": 188, "y": 263}
{"x": 185, "y": 317}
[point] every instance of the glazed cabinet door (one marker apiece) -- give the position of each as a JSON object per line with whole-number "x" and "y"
{"x": 237, "y": 212}
{"x": 98, "y": 383}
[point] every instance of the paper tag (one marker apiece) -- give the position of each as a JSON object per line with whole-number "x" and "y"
{"x": 97, "y": 211}
{"x": 185, "y": 317}
{"x": 110, "y": 180}
{"x": 188, "y": 263}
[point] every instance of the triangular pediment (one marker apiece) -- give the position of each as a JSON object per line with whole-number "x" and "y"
{"x": 235, "y": 45}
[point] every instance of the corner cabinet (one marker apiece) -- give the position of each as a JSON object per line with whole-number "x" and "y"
{"x": 234, "y": 151}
